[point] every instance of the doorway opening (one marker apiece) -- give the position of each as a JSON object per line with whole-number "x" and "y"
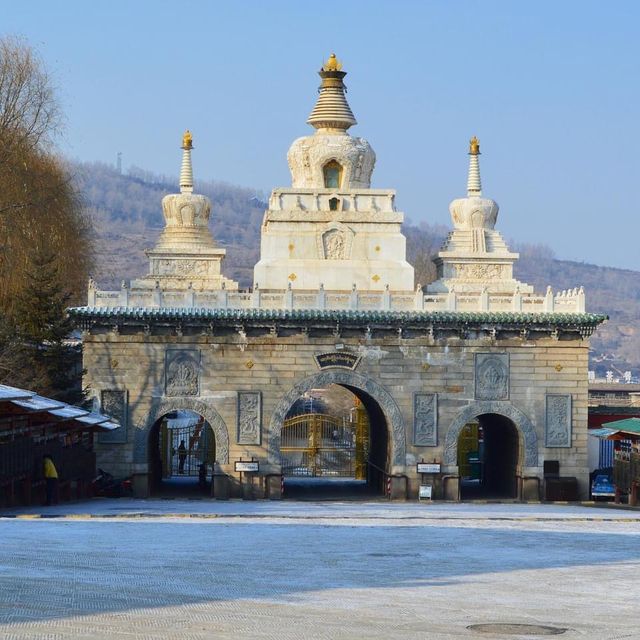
{"x": 182, "y": 452}
{"x": 334, "y": 445}
{"x": 488, "y": 458}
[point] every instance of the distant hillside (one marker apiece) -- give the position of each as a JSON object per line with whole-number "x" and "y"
{"x": 128, "y": 219}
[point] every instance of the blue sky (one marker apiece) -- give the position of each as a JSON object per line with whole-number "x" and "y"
{"x": 550, "y": 88}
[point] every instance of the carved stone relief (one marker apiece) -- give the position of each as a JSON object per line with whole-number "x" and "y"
{"x": 558, "y": 420}
{"x": 249, "y": 417}
{"x": 392, "y": 413}
{"x": 113, "y": 403}
{"x": 333, "y": 242}
{"x": 466, "y": 271}
{"x": 425, "y": 419}
{"x": 475, "y": 409}
{"x": 182, "y": 372}
{"x": 492, "y": 376}
{"x": 183, "y": 267}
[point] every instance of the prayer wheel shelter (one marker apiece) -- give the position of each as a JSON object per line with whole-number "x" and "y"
{"x": 32, "y": 426}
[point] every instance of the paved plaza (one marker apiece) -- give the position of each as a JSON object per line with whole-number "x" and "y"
{"x": 136, "y": 569}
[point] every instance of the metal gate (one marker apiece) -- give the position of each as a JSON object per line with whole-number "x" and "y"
{"x": 315, "y": 445}
{"x": 183, "y": 449}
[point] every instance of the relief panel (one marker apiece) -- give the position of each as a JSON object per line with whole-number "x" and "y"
{"x": 249, "y": 417}
{"x": 492, "y": 376}
{"x": 425, "y": 419}
{"x": 182, "y": 372}
{"x": 558, "y": 420}
{"x": 113, "y": 403}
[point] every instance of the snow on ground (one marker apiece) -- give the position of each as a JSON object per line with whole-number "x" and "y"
{"x": 139, "y": 569}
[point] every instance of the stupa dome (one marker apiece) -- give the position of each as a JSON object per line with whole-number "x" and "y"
{"x": 312, "y": 158}
{"x": 331, "y": 158}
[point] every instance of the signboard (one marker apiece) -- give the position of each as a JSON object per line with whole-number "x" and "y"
{"x": 426, "y": 467}
{"x": 425, "y": 492}
{"x": 252, "y": 466}
{"x": 342, "y": 359}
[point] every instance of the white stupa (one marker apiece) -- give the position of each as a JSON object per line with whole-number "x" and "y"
{"x": 186, "y": 254}
{"x": 331, "y": 229}
{"x": 474, "y": 257}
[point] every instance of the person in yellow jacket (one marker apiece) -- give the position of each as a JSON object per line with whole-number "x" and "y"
{"x": 51, "y": 479}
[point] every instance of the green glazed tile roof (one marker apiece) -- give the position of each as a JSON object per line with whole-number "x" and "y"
{"x": 223, "y": 316}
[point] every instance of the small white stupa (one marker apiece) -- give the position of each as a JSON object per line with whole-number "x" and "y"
{"x": 474, "y": 257}
{"x": 186, "y": 254}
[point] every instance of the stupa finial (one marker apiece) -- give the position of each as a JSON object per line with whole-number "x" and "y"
{"x": 332, "y": 64}
{"x": 474, "y": 185}
{"x": 332, "y": 110}
{"x": 186, "y": 171}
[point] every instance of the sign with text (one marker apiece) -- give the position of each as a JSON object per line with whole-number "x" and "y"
{"x": 425, "y": 492}
{"x": 428, "y": 467}
{"x": 252, "y": 466}
{"x": 342, "y": 359}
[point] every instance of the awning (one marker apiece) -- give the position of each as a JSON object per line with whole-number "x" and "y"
{"x": 8, "y": 393}
{"x": 629, "y": 428}
{"x": 60, "y": 414}
{"x": 38, "y": 403}
{"x": 602, "y": 433}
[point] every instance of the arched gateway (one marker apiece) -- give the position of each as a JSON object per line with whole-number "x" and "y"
{"x": 162, "y": 406}
{"x": 522, "y": 423}
{"x": 359, "y": 385}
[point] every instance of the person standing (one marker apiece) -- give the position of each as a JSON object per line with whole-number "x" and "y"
{"x": 51, "y": 479}
{"x": 182, "y": 456}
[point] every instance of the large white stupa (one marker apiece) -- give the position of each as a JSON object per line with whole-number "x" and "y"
{"x": 331, "y": 229}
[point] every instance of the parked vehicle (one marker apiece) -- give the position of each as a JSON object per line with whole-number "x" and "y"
{"x": 105, "y": 485}
{"x": 602, "y": 487}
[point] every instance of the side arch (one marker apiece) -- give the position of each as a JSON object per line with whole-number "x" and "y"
{"x": 346, "y": 378}
{"x": 506, "y": 409}
{"x": 162, "y": 406}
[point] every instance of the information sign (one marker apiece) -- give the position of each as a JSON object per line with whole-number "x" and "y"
{"x": 427, "y": 467}
{"x": 425, "y": 492}
{"x": 252, "y": 466}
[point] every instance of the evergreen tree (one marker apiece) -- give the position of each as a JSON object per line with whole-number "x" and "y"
{"x": 50, "y": 362}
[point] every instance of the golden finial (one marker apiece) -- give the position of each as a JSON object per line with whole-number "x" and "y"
{"x": 187, "y": 140}
{"x": 474, "y": 146}
{"x": 332, "y": 64}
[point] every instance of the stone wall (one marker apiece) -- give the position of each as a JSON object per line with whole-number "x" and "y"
{"x": 428, "y": 389}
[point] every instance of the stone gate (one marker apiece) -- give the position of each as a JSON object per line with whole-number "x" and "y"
{"x": 334, "y": 302}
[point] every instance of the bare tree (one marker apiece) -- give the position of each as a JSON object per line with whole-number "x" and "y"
{"x": 40, "y": 215}
{"x": 29, "y": 114}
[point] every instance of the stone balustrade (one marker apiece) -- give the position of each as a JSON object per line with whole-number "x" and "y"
{"x": 569, "y": 301}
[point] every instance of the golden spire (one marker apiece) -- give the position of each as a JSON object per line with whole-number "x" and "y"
{"x": 332, "y": 64}
{"x": 187, "y": 140}
{"x": 474, "y": 146}
{"x": 332, "y": 110}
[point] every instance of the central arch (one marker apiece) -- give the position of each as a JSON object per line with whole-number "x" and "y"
{"x": 352, "y": 381}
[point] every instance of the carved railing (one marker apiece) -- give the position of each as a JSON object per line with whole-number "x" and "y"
{"x": 572, "y": 301}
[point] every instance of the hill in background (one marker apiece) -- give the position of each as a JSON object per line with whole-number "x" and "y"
{"x": 128, "y": 218}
